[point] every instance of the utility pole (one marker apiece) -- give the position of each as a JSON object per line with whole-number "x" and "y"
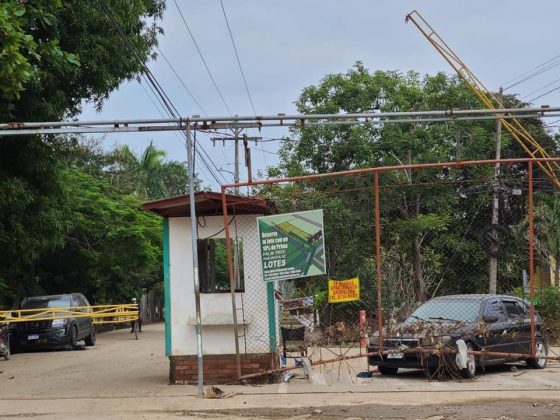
{"x": 236, "y": 137}
{"x": 196, "y": 280}
{"x": 493, "y": 264}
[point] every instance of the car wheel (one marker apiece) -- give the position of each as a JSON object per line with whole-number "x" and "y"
{"x": 470, "y": 371}
{"x": 542, "y": 351}
{"x": 6, "y": 352}
{"x": 91, "y": 338}
{"x": 384, "y": 370}
{"x": 73, "y": 339}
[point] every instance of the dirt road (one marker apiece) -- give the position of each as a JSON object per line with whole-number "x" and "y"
{"x": 124, "y": 378}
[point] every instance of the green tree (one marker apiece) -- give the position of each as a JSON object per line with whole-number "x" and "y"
{"x": 547, "y": 214}
{"x": 53, "y": 56}
{"x": 34, "y": 210}
{"x": 421, "y": 221}
{"x": 149, "y": 176}
{"x": 56, "y": 54}
{"x": 113, "y": 248}
{"x": 546, "y": 222}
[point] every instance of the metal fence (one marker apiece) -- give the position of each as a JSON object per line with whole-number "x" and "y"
{"x": 447, "y": 234}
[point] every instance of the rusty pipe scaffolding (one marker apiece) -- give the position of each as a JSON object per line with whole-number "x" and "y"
{"x": 436, "y": 352}
{"x": 452, "y": 164}
{"x": 375, "y": 172}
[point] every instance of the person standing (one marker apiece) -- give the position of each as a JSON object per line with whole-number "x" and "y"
{"x": 139, "y": 317}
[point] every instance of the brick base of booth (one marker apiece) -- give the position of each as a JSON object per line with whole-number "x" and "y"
{"x": 218, "y": 368}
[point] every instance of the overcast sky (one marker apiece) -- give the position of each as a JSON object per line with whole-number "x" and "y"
{"x": 286, "y": 45}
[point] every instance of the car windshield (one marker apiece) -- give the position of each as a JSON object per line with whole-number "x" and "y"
{"x": 60, "y": 302}
{"x": 448, "y": 310}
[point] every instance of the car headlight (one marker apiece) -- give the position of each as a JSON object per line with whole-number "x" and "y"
{"x": 59, "y": 323}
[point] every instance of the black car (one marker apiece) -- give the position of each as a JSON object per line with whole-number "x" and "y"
{"x": 492, "y": 323}
{"x": 57, "y": 333}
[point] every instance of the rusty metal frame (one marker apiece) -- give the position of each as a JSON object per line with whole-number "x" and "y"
{"x": 375, "y": 172}
{"x": 429, "y": 352}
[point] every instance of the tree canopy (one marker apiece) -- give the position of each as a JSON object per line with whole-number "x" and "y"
{"x": 56, "y": 54}
{"x": 430, "y": 218}
{"x": 53, "y": 56}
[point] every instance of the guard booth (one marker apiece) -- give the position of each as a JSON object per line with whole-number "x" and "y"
{"x": 256, "y": 306}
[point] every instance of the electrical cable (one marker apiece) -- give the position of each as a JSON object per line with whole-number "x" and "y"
{"x": 202, "y": 57}
{"x": 544, "y": 94}
{"x": 218, "y": 232}
{"x": 152, "y": 80}
{"x": 161, "y": 114}
{"x": 182, "y": 82}
{"x": 539, "y": 89}
{"x": 533, "y": 75}
{"x": 533, "y": 69}
{"x": 238, "y": 60}
{"x": 265, "y": 151}
{"x": 154, "y": 84}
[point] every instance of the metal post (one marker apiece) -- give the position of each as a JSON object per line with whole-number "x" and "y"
{"x": 231, "y": 282}
{"x": 236, "y": 170}
{"x": 196, "y": 280}
{"x": 493, "y": 263}
{"x": 236, "y": 137}
{"x": 378, "y": 260}
{"x": 247, "y": 158}
{"x": 531, "y": 261}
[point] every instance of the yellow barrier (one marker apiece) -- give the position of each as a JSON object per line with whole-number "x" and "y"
{"x": 100, "y": 314}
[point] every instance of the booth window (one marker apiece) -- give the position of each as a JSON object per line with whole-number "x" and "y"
{"x": 213, "y": 269}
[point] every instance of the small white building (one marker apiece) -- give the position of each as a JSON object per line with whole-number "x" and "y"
{"x": 256, "y": 306}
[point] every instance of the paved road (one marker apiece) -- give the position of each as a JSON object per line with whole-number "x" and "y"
{"x": 124, "y": 378}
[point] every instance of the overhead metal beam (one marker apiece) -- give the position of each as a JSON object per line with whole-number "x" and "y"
{"x": 280, "y": 120}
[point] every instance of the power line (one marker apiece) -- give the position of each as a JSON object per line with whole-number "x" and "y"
{"x": 175, "y": 132}
{"x": 166, "y": 102}
{"x": 532, "y": 69}
{"x": 544, "y": 94}
{"x": 266, "y": 151}
{"x": 238, "y": 60}
{"x": 532, "y": 75}
{"x": 202, "y": 57}
{"x": 154, "y": 84}
{"x": 181, "y": 81}
{"x": 539, "y": 89}
{"x": 551, "y": 124}
{"x": 240, "y": 68}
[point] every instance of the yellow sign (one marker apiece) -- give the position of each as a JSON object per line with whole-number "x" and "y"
{"x": 344, "y": 290}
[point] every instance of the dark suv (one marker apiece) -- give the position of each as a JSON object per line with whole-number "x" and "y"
{"x": 57, "y": 333}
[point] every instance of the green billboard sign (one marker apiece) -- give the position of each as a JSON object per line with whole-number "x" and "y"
{"x": 292, "y": 245}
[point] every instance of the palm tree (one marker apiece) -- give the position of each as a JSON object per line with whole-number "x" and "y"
{"x": 547, "y": 222}
{"x": 149, "y": 176}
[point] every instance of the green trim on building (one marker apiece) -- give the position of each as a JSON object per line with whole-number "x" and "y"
{"x": 271, "y": 316}
{"x": 167, "y": 286}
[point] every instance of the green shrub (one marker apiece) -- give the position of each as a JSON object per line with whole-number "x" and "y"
{"x": 547, "y": 303}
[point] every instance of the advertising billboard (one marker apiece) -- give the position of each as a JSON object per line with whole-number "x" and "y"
{"x": 292, "y": 245}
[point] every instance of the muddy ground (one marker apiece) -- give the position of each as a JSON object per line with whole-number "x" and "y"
{"x": 124, "y": 378}
{"x": 502, "y": 410}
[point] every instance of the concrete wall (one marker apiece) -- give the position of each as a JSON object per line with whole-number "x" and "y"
{"x": 216, "y": 308}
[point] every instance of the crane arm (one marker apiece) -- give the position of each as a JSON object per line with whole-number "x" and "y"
{"x": 527, "y": 142}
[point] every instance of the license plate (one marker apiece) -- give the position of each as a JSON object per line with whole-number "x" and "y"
{"x": 395, "y": 356}
{"x": 33, "y": 337}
